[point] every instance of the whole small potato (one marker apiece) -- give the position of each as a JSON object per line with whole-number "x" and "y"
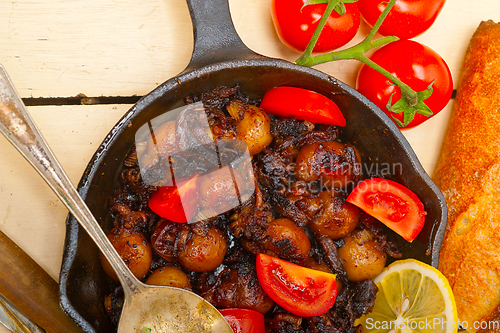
{"x": 169, "y": 276}
{"x": 255, "y": 129}
{"x": 337, "y": 218}
{"x": 360, "y": 257}
{"x": 201, "y": 254}
{"x": 288, "y": 241}
{"x": 219, "y": 190}
{"x": 133, "y": 248}
{"x": 162, "y": 141}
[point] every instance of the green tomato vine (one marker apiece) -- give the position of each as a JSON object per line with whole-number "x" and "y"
{"x": 410, "y": 103}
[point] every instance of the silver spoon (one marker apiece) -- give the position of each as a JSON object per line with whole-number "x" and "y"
{"x": 146, "y": 308}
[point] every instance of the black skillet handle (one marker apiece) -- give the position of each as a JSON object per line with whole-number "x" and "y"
{"x": 215, "y": 38}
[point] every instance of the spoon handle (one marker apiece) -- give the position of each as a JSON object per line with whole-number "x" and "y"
{"x": 19, "y": 128}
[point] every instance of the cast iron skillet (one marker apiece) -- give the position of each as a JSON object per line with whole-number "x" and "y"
{"x": 221, "y": 58}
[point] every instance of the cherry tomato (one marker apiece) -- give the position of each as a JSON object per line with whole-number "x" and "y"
{"x": 392, "y": 204}
{"x": 302, "y": 104}
{"x": 415, "y": 65}
{"x": 407, "y": 18}
{"x": 244, "y": 320}
{"x": 302, "y": 291}
{"x": 176, "y": 203}
{"x": 295, "y": 25}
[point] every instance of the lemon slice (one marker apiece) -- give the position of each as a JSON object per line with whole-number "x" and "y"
{"x": 412, "y": 297}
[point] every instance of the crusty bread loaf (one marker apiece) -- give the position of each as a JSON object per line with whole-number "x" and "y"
{"x": 468, "y": 174}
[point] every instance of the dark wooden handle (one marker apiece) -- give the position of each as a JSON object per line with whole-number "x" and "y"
{"x": 31, "y": 289}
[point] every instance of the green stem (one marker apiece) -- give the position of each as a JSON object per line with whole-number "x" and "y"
{"x": 358, "y": 51}
{"x": 314, "y": 39}
{"x": 410, "y": 94}
{"x": 380, "y": 20}
{"x": 354, "y": 52}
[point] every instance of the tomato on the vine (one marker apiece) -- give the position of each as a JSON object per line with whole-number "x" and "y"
{"x": 407, "y": 19}
{"x": 414, "y": 64}
{"x": 295, "y": 24}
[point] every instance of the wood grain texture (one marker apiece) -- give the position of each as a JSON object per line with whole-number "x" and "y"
{"x": 122, "y": 47}
{"x": 31, "y": 214}
{"x": 31, "y": 289}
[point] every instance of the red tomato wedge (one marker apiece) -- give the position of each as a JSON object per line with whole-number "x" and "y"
{"x": 302, "y": 104}
{"x": 392, "y": 204}
{"x": 302, "y": 291}
{"x": 176, "y": 203}
{"x": 244, "y": 320}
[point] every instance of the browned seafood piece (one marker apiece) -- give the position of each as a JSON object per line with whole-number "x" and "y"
{"x": 238, "y": 288}
{"x": 336, "y": 218}
{"x": 335, "y": 164}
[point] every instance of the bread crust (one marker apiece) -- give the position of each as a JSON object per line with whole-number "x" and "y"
{"x": 468, "y": 174}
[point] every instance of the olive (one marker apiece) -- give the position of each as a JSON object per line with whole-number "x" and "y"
{"x": 133, "y": 248}
{"x": 169, "y": 276}
{"x": 335, "y": 164}
{"x": 255, "y": 129}
{"x": 337, "y": 217}
{"x": 360, "y": 257}
{"x": 202, "y": 253}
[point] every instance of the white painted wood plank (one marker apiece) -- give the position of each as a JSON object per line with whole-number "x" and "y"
{"x": 123, "y": 47}
{"x": 30, "y": 213}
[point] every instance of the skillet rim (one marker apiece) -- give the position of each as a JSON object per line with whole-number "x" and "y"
{"x": 73, "y": 229}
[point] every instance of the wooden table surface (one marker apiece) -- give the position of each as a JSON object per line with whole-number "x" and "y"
{"x": 62, "y": 48}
